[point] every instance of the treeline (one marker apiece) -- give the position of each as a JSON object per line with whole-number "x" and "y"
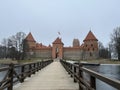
{"x": 13, "y": 47}
{"x": 112, "y": 51}
{"x": 104, "y": 52}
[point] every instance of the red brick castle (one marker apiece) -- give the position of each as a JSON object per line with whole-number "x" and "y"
{"x": 87, "y": 50}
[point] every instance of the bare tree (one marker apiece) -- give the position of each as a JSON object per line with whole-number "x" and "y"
{"x": 14, "y": 45}
{"x": 20, "y": 36}
{"x": 100, "y": 45}
{"x": 5, "y": 45}
{"x": 115, "y": 42}
{"x": 103, "y": 51}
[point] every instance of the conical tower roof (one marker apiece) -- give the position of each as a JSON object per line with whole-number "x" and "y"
{"x": 90, "y": 36}
{"x": 30, "y": 37}
{"x": 58, "y": 41}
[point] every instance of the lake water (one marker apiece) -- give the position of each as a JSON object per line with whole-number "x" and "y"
{"x": 112, "y": 71}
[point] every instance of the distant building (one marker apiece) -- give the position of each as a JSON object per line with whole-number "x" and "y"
{"x": 76, "y": 43}
{"x": 87, "y": 50}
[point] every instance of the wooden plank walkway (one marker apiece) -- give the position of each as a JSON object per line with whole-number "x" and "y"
{"x": 52, "y": 77}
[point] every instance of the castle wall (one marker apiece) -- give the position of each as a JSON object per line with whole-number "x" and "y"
{"x": 88, "y": 50}
{"x": 43, "y": 53}
{"x": 90, "y": 55}
{"x": 73, "y": 53}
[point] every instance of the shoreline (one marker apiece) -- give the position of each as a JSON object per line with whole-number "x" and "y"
{"x": 110, "y": 64}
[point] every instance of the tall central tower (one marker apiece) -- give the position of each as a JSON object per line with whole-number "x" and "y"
{"x": 57, "y": 49}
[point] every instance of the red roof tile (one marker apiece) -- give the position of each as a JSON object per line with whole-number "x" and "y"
{"x": 90, "y": 36}
{"x": 30, "y": 37}
{"x": 58, "y": 41}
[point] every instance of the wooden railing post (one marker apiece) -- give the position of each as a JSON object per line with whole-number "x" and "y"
{"x": 22, "y": 73}
{"x": 80, "y": 76}
{"x": 71, "y": 70}
{"x": 11, "y": 66}
{"x": 92, "y": 82}
{"x": 68, "y": 68}
{"x": 34, "y": 68}
{"x": 45, "y": 63}
{"x": 30, "y": 70}
{"x": 37, "y": 66}
{"x": 40, "y": 65}
{"x": 74, "y": 72}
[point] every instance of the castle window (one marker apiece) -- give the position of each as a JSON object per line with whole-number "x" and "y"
{"x": 90, "y": 54}
{"x": 93, "y": 49}
{"x": 91, "y": 45}
{"x": 57, "y": 50}
{"x": 86, "y": 45}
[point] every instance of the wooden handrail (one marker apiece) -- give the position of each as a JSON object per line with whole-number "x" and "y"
{"x": 78, "y": 76}
{"x": 12, "y": 76}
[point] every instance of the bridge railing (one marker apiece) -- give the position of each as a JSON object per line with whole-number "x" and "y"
{"x": 78, "y": 74}
{"x": 18, "y": 73}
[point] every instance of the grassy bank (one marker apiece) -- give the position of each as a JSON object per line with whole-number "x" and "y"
{"x": 8, "y": 61}
{"x": 102, "y": 61}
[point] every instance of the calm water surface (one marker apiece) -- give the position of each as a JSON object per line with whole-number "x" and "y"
{"x": 112, "y": 71}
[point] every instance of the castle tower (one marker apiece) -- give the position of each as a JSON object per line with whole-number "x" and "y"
{"x": 30, "y": 41}
{"x": 57, "y": 49}
{"x": 90, "y": 48}
{"x": 76, "y": 43}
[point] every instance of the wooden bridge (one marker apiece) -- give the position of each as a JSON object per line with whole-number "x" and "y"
{"x": 36, "y": 76}
{"x": 52, "y": 77}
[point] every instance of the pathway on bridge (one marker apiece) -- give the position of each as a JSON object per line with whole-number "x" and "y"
{"x": 52, "y": 77}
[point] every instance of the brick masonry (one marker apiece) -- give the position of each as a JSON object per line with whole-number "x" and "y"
{"x": 87, "y": 50}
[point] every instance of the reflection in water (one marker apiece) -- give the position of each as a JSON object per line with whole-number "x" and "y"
{"x": 112, "y": 71}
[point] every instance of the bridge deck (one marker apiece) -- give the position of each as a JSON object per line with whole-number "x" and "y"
{"x": 52, "y": 77}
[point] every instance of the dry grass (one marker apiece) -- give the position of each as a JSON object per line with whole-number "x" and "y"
{"x": 8, "y": 61}
{"x": 103, "y": 61}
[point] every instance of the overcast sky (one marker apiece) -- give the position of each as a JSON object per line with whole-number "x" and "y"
{"x": 72, "y": 18}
